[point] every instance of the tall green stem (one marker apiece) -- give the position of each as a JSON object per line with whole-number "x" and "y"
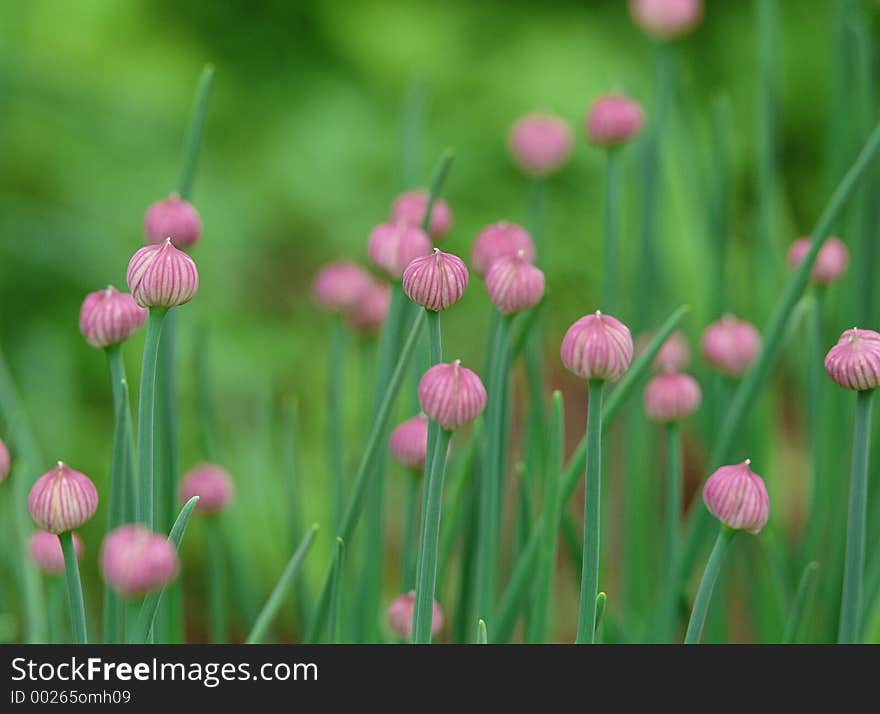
{"x": 74, "y": 590}
{"x": 410, "y": 532}
{"x": 146, "y": 415}
{"x": 611, "y": 273}
{"x": 335, "y": 431}
{"x": 217, "y": 586}
{"x": 193, "y": 141}
{"x": 671, "y": 535}
{"x": 707, "y": 585}
{"x": 336, "y": 593}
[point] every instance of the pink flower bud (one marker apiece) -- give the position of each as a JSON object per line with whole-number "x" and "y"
{"x": 451, "y": 395}
{"x": 108, "y": 317}
{"x": 135, "y": 561}
{"x": 435, "y": 281}
{"x": 400, "y": 616}
{"x": 540, "y": 143}
{"x": 666, "y": 19}
{"x": 831, "y": 262}
{"x": 597, "y": 347}
{"x": 173, "y": 218}
{"x": 371, "y": 310}
{"x": 45, "y": 550}
{"x": 410, "y": 208}
{"x": 674, "y": 354}
{"x": 4, "y": 461}
{"x": 211, "y": 483}
{"x": 338, "y": 287}
{"x": 409, "y": 442}
{"x": 393, "y": 246}
{"x": 731, "y": 345}
{"x": 613, "y": 120}
{"x": 854, "y": 362}
{"x": 737, "y": 497}
{"x": 62, "y": 499}
{"x": 162, "y": 276}
{"x": 500, "y": 240}
{"x": 672, "y": 397}
{"x": 514, "y": 284}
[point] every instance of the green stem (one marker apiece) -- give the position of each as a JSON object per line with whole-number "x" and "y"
{"x": 800, "y": 605}
{"x": 74, "y": 590}
{"x": 336, "y": 592}
{"x": 601, "y": 603}
{"x": 719, "y": 213}
{"x": 335, "y": 431}
{"x": 193, "y": 141}
{"x": 611, "y": 272}
{"x": 146, "y": 415}
{"x": 204, "y": 394}
{"x": 666, "y": 620}
{"x": 290, "y": 421}
{"x": 410, "y": 532}
{"x": 482, "y": 634}
{"x": 55, "y": 597}
{"x": 707, "y": 584}
{"x": 441, "y": 171}
{"x": 217, "y": 587}
{"x": 412, "y": 132}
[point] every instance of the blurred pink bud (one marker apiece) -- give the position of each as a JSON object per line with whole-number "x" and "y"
{"x": 410, "y": 208}
{"x": 730, "y": 345}
{"x": 400, "y": 616}
{"x": 597, "y": 347}
{"x": 666, "y": 19}
{"x": 613, "y": 120}
{"x": 211, "y": 483}
{"x": 368, "y": 314}
{"x": 540, "y": 143}
{"x": 339, "y": 286}
{"x": 854, "y": 362}
{"x": 514, "y": 284}
{"x": 674, "y": 354}
{"x": 497, "y": 241}
{"x": 738, "y": 498}
{"x": 436, "y": 281}
{"x": 451, "y": 395}
{"x": 108, "y": 317}
{"x": 409, "y": 442}
{"x": 393, "y": 246}
{"x": 173, "y": 218}
{"x": 62, "y": 499}
{"x": 831, "y": 262}
{"x": 162, "y": 276}
{"x": 135, "y": 561}
{"x": 45, "y": 550}
{"x": 672, "y": 397}
{"x": 4, "y": 461}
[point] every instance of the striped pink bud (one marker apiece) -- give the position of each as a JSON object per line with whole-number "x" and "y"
{"x": 371, "y": 310}
{"x": 410, "y": 208}
{"x": 672, "y": 397}
{"x": 613, "y": 120}
{"x": 108, "y": 317}
{"x": 62, "y": 499}
{"x": 854, "y": 362}
{"x": 395, "y": 245}
{"x": 173, "y": 218}
{"x": 338, "y": 287}
{"x": 211, "y": 483}
{"x": 162, "y": 276}
{"x": 731, "y": 345}
{"x": 409, "y": 442}
{"x": 674, "y": 354}
{"x": 738, "y": 498}
{"x": 831, "y": 262}
{"x": 45, "y": 550}
{"x": 666, "y": 19}
{"x": 497, "y": 241}
{"x": 436, "y": 281}
{"x": 5, "y": 462}
{"x": 400, "y": 616}
{"x": 451, "y": 395}
{"x": 597, "y": 347}
{"x": 135, "y": 561}
{"x": 514, "y": 284}
{"x": 540, "y": 143}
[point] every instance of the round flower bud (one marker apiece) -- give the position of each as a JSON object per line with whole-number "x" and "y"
{"x": 45, "y": 550}
{"x": 854, "y": 362}
{"x": 500, "y": 240}
{"x": 338, "y": 287}
{"x": 831, "y": 262}
{"x": 108, "y": 317}
{"x": 731, "y": 345}
{"x": 211, "y": 483}
{"x": 451, "y": 395}
{"x": 62, "y": 499}
{"x": 173, "y": 218}
{"x": 597, "y": 347}
{"x": 400, "y": 616}
{"x": 613, "y": 120}
{"x": 514, "y": 284}
{"x": 666, "y": 19}
{"x": 371, "y": 310}
{"x": 674, "y": 354}
{"x": 436, "y": 281}
{"x": 162, "y": 276}
{"x": 540, "y": 143}
{"x": 672, "y": 397}
{"x": 5, "y": 461}
{"x": 737, "y": 497}
{"x": 135, "y": 561}
{"x": 409, "y": 442}
{"x": 393, "y": 246}
{"x": 410, "y": 208}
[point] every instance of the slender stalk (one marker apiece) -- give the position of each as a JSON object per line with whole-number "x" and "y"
{"x": 482, "y": 634}
{"x": 335, "y": 430}
{"x": 74, "y": 590}
{"x": 719, "y": 205}
{"x": 665, "y": 623}
{"x": 707, "y": 584}
{"x": 801, "y": 603}
{"x": 412, "y": 132}
{"x": 217, "y": 604}
{"x": 193, "y": 141}
{"x": 146, "y": 415}
{"x": 611, "y": 272}
{"x": 410, "y": 532}
{"x": 204, "y": 394}
{"x": 290, "y": 421}
{"x": 55, "y": 597}
{"x": 336, "y": 593}
{"x": 601, "y": 603}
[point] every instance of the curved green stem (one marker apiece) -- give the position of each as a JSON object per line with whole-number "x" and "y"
{"x": 193, "y": 140}
{"x": 335, "y": 440}
{"x": 336, "y": 592}
{"x": 707, "y": 585}
{"x": 216, "y": 582}
{"x": 146, "y": 415}
{"x": 611, "y": 272}
{"x": 74, "y": 590}
{"x": 801, "y": 603}
{"x": 410, "y": 532}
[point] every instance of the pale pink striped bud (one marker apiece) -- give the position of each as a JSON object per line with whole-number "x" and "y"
{"x": 338, "y": 287}
{"x": 108, "y": 317}
{"x": 410, "y": 208}
{"x": 162, "y": 276}
{"x": 731, "y": 345}
{"x": 437, "y": 281}
{"x": 5, "y": 461}
{"x": 400, "y": 616}
{"x": 613, "y": 120}
{"x": 831, "y": 262}
{"x": 497, "y": 241}
{"x": 211, "y": 483}
{"x": 672, "y": 397}
{"x": 135, "y": 561}
{"x": 854, "y": 362}
{"x": 540, "y": 143}
{"x": 597, "y": 347}
{"x": 666, "y": 19}
{"x": 62, "y": 499}
{"x": 371, "y": 310}
{"x": 738, "y": 498}
{"x": 409, "y": 442}
{"x": 173, "y": 218}
{"x": 393, "y": 246}
{"x": 45, "y": 550}
{"x": 451, "y": 395}
{"x": 514, "y": 284}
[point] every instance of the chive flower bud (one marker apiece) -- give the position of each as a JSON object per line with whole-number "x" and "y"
{"x": 395, "y": 245}
{"x": 597, "y": 347}
{"x": 831, "y": 262}
{"x": 338, "y": 287}
{"x": 410, "y": 207}
{"x": 211, "y": 483}
{"x": 5, "y": 462}
{"x": 854, "y": 362}
{"x": 540, "y": 143}
{"x": 135, "y": 561}
{"x": 514, "y": 284}
{"x": 674, "y": 354}
{"x": 738, "y": 498}
{"x": 162, "y": 276}
{"x": 436, "y": 281}
{"x": 371, "y": 310}
{"x": 409, "y": 442}
{"x": 451, "y": 395}
{"x": 613, "y": 120}
{"x": 666, "y": 19}
{"x": 45, "y": 550}
{"x": 62, "y": 499}
{"x": 731, "y": 345}
{"x": 173, "y": 218}
{"x": 497, "y": 241}
{"x": 400, "y": 616}
{"x": 672, "y": 397}
{"x": 109, "y": 317}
